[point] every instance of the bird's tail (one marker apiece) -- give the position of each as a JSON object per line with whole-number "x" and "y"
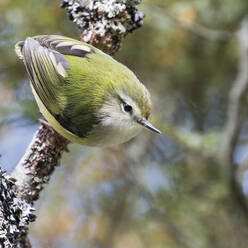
{"x": 18, "y": 49}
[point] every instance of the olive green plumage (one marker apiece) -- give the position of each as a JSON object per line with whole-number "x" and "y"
{"x": 81, "y": 91}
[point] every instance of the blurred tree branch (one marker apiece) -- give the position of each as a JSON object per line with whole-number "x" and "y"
{"x": 196, "y": 28}
{"x": 236, "y": 110}
{"x": 15, "y": 214}
{"x": 236, "y": 116}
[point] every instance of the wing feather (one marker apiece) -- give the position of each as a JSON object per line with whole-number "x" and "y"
{"x": 44, "y": 68}
{"x": 64, "y": 45}
{"x": 46, "y": 60}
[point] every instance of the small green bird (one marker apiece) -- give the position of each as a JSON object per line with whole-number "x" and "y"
{"x": 86, "y": 95}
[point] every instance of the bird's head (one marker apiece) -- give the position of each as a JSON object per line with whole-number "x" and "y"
{"x": 127, "y": 108}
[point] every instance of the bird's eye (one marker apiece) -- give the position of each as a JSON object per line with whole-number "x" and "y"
{"x": 127, "y": 108}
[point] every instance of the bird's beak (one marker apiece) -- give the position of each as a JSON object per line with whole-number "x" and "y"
{"x": 147, "y": 124}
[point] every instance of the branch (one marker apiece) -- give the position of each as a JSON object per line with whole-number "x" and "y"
{"x": 193, "y": 27}
{"x": 236, "y": 116}
{"x": 15, "y": 215}
{"x": 38, "y": 163}
{"x": 103, "y": 24}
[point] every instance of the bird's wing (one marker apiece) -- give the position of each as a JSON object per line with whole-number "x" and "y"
{"x": 64, "y": 45}
{"x": 48, "y": 69}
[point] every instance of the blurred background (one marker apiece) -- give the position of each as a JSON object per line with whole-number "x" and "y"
{"x": 176, "y": 190}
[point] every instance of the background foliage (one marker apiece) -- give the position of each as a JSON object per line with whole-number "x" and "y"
{"x": 155, "y": 191}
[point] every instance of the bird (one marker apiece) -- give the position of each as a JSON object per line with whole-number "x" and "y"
{"x": 85, "y": 95}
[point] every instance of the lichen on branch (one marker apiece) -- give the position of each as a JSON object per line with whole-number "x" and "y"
{"x": 104, "y": 23}
{"x": 15, "y": 213}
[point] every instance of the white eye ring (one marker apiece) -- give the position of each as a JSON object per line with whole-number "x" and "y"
{"x": 126, "y": 108}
